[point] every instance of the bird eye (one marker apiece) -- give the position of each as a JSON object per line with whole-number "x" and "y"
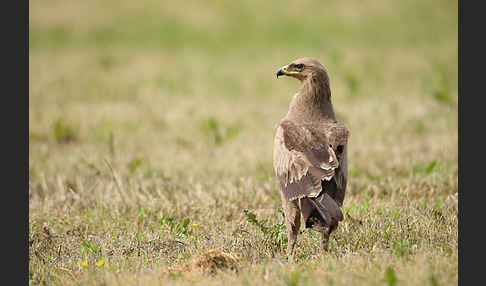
{"x": 299, "y": 66}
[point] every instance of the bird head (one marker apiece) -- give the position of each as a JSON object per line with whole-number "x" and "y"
{"x": 302, "y": 68}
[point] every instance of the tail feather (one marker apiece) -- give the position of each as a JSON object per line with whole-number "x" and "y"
{"x": 323, "y": 212}
{"x": 330, "y": 204}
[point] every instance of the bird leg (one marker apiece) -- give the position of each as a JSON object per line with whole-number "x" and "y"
{"x": 318, "y": 219}
{"x": 292, "y": 222}
{"x": 325, "y": 239}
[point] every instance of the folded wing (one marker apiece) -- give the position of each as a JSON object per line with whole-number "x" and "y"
{"x": 303, "y": 158}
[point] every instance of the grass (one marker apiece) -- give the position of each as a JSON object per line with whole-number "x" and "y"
{"x": 151, "y": 132}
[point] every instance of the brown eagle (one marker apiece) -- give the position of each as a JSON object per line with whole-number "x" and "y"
{"x": 310, "y": 155}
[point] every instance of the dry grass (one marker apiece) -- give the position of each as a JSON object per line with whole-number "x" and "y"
{"x": 151, "y": 132}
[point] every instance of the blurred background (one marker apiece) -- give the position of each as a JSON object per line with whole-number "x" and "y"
{"x": 170, "y": 87}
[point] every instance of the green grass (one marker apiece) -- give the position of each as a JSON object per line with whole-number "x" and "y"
{"x": 151, "y": 131}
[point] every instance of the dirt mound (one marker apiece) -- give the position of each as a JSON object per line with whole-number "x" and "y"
{"x": 208, "y": 262}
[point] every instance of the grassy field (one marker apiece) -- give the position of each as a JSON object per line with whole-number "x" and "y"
{"x": 151, "y": 131}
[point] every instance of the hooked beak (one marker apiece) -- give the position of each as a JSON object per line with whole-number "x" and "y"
{"x": 285, "y": 71}
{"x": 282, "y": 71}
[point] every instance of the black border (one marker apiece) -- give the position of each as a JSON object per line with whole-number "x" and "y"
{"x": 15, "y": 139}
{"x": 471, "y": 79}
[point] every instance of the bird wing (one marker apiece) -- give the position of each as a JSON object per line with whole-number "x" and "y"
{"x": 338, "y": 137}
{"x": 303, "y": 158}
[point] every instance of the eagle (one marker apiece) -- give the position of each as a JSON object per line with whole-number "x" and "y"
{"x": 310, "y": 155}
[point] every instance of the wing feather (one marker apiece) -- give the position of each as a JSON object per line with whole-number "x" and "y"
{"x": 303, "y": 158}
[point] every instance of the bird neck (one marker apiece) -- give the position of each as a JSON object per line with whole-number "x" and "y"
{"x": 313, "y": 100}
